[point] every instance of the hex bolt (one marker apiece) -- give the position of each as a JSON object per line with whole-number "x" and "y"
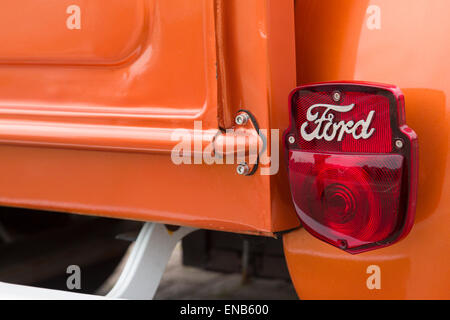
{"x": 241, "y": 119}
{"x": 399, "y": 143}
{"x": 336, "y": 96}
{"x": 291, "y": 139}
{"x": 242, "y": 169}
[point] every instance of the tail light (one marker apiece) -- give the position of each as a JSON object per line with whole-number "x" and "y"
{"x": 352, "y": 164}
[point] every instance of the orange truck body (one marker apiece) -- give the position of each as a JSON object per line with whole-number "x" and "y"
{"x": 92, "y": 92}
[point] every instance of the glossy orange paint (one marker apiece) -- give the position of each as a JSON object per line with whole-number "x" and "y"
{"x": 34, "y": 34}
{"x": 409, "y": 50}
{"x": 87, "y": 115}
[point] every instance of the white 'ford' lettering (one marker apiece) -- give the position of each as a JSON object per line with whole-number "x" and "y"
{"x": 329, "y": 130}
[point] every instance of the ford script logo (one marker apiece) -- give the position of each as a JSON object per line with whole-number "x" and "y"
{"x": 324, "y": 127}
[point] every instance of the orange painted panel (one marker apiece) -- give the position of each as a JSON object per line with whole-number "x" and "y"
{"x": 257, "y": 68}
{"x": 407, "y": 48}
{"x": 136, "y": 79}
{"x": 87, "y": 116}
{"x": 68, "y": 32}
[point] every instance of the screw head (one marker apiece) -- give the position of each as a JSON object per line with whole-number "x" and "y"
{"x": 342, "y": 244}
{"x": 241, "y": 119}
{"x": 336, "y": 96}
{"x": 399, "y": 143}
{"x": 242, "y": 169}
{"x": 291, "y": 139}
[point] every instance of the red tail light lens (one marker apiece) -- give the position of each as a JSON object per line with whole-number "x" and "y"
{"x": 352, "y": 164}
{"x": 349, "y": 198}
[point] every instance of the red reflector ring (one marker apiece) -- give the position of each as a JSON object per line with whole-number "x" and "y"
{"x": 351, "y": 183}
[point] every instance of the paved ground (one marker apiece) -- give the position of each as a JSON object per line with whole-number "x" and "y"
{"x": 181, "y": 282}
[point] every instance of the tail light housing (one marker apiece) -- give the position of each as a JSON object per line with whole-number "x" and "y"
{"x": 352, "y": 164}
